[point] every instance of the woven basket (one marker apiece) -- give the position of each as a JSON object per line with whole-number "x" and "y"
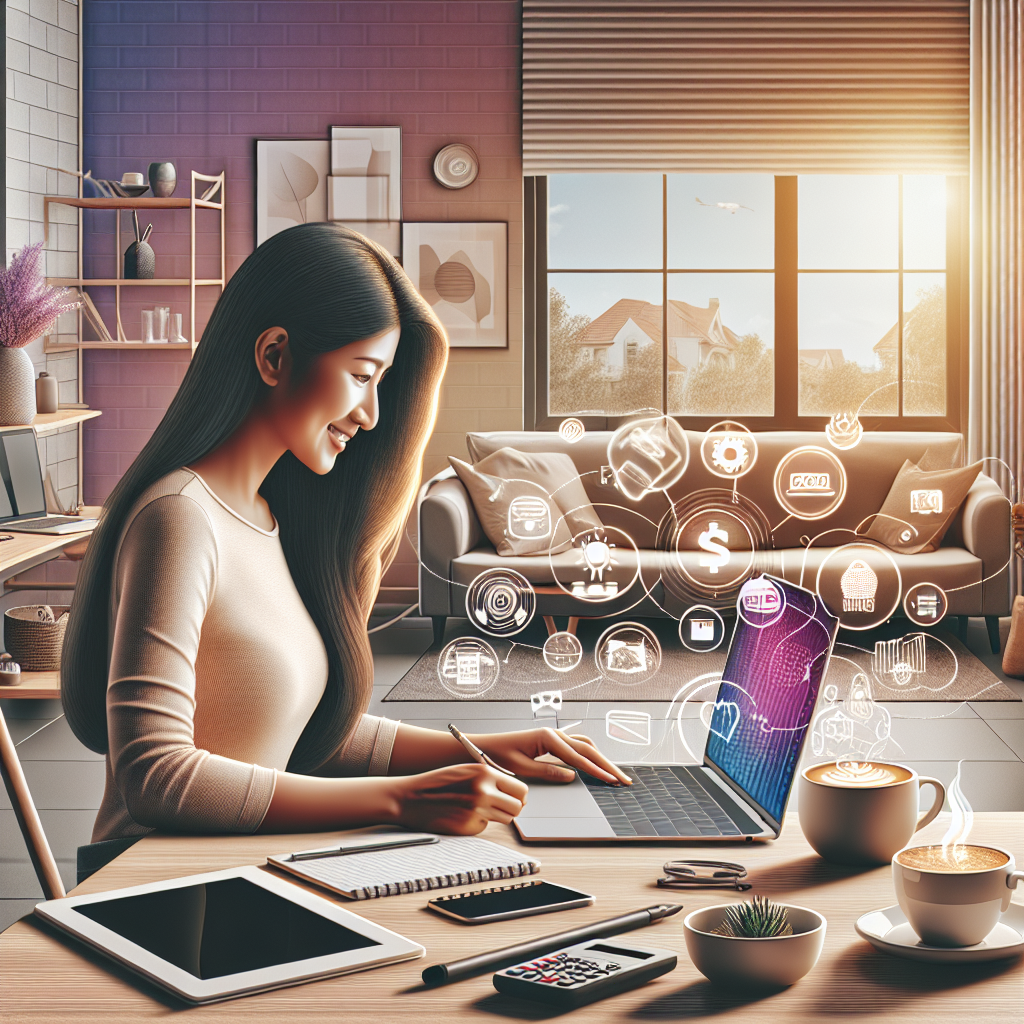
{"x": 35, "y": 645}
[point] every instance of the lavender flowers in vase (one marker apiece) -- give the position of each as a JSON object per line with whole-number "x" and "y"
{"x": 28, "y": 309}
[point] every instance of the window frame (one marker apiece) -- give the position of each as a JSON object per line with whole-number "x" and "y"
{"x": 786, "y": 348}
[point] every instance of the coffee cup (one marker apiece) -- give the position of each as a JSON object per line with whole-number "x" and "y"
{"x": 863, "y": 812}
{"x": 954, "y": 896}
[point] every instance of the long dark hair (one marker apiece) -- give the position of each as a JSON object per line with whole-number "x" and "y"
{"x": 327, "y": 286}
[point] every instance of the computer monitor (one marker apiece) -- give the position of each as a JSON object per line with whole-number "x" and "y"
{"x": 22, "y": 495}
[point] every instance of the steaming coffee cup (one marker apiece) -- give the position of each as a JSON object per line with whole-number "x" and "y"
{"x": 862, "y": 812}
{"x": 953, "y": 896}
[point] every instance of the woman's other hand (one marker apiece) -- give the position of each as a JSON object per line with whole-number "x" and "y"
{"x": 518, "y": 752}
{"x": 460, "y": 800}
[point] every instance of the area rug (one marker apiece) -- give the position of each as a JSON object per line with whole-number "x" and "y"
{"x": 898, "y": 666}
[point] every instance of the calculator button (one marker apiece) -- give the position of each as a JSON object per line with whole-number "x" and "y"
{"x": 531, "y": 976}
{"x": 514, "y": 972}
{"x": 614, "y": 967}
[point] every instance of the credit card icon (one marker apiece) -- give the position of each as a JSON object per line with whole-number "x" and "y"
{"x": 628, "y": 727}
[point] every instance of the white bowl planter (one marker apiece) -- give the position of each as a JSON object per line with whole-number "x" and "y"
{"x": 754, "y": 963}
{"x": 17, "y": 387}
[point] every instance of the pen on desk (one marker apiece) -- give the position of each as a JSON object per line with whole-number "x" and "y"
{"x": 341, "y": 851}
{"x": 475, "y": 752}
{"x": 496, "y": 959}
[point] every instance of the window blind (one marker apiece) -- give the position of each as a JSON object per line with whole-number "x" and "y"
{"x": 848, "y": 86}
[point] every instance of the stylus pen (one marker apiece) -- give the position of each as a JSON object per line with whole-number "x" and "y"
{"x": 475, "y": 752}
{"x": 341, "y": 851}
{"x": 439, "y": 974}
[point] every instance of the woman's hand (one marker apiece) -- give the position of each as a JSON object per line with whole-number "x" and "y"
{"x": 459, "y": 800}
{"x": 518, "y": 752}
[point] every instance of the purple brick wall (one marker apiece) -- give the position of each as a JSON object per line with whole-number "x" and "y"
{"x": 196, "y": 83}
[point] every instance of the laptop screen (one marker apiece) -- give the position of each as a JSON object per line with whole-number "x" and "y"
{"x": 22, "y": 493}
{"x": 777, "y": 658}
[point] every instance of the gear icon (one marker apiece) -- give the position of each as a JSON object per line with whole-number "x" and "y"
{"x": 729, "y": 454}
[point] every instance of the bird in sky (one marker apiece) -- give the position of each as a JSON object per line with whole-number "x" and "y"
{"x": 728, "y": 207}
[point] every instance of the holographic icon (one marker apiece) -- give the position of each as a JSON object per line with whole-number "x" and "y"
{"x": 844, "y": 431}
{"x": 701, "y": 629}
{"x": 628, "y": 653}
{"x": 633, "y": 727}
{"x": 925, "y": 604}
{"x": 926, "y": 503}
{"x": 723, "y": 717}
{"x": 901, "y": 659}
{"x": 810, "y": 482}
{"x": 713, "y": 541}
{"x": 597, "y": 555}
{"x": 856, "y": 729}
{"x": 468, "y": 667}
{"x": 546, "y": 704}
{"x": 571, "y": 430}
{"x": 760, "y": 602}
{"x": 529, "y": 518}
{"x": 648, "y": 455}
{"x": 562, "y": 652}
{"x": 501, "y": 602}
{"x": 728, "y": 450}
{"x": 729, "y": 454}
{"x": 602, "y": 564}
{"x": 859, "y": 585}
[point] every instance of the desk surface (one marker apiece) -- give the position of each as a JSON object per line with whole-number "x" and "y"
{"x": 46, "y": 980}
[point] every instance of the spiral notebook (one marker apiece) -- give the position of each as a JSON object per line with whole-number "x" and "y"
{"x": 453, "y": 860}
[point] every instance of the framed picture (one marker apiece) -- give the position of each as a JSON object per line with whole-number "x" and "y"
{"x": 291, "y": 184}
{"x": 462, "y": 271}
{"x": 364, "y": 190}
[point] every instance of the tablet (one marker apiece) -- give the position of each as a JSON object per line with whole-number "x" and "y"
{"x": 227, "y": 933}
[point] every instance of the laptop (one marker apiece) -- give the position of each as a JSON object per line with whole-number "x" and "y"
{"x": 778, "y": 655}
{"x": 22, "y": 498}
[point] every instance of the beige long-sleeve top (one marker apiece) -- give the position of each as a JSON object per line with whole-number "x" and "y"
{"x": 215, "y": 669}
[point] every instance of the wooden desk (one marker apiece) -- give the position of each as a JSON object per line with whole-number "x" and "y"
{"x": 46, "y": 979}
{"x": 25, "y": 551}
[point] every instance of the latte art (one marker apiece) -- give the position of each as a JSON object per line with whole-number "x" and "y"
{"x": 858, "y": 773}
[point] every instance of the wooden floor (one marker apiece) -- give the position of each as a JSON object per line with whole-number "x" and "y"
{"x": 66, "y": 779}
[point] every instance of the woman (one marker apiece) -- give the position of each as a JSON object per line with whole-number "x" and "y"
{"x": 217, "y": 650}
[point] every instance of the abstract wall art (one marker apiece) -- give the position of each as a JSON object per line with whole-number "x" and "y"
{"x": 291, "y": 184}
{"x": 461, "y": 270}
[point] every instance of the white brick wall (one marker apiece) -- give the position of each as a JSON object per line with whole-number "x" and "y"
{"x": 42, "y": 131}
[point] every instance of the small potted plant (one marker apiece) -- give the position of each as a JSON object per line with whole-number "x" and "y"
{"x": 28, "y": 309}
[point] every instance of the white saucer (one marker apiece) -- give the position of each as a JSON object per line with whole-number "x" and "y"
{"x": 889, "y": 931}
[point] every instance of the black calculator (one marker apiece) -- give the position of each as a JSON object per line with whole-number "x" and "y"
{"x": 580, "y": 974}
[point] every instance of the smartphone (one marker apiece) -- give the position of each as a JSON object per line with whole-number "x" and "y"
{"x": 507, "y": 901}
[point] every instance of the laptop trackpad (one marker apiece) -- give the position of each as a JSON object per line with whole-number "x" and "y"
{"x": 560, "y": 811}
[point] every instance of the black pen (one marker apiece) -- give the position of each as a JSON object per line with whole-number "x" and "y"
{"x": 438, "y": 974}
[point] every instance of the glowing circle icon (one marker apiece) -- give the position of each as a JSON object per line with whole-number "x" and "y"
{"x": 648, "y": 455}
{"x": 468, "y": 667}
{"x": 728, "y": 450}
{"x": 844, "y": 431}
{"x": 810, "y": 482}
{"x": 571, "y": 430}
{"x": 501, "y": 602}
{"x": 761, "y": 602}
{"x": 701, "y": 629}
{"x": 628, "y": 653}
{"x": 562, "y": 652}
{"x": 715, "y": 548}
{"x": 925, "y": 604}
{"x": 601, "y": 565}
{"x": 861, "y": 584}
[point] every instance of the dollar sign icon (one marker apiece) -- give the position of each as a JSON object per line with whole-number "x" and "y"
{"x": 713, "y": 540}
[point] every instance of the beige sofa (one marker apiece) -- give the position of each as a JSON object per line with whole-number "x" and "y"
{"x": 972, "y": 563}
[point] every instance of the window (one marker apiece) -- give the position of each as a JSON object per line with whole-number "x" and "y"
{"x": 778, "y": 301}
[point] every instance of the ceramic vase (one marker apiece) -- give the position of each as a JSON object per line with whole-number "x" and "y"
{"x": 162, "y": 179}
{"x": 139, "y": 262}
{"x": 46, "y": 393}
{"x": 17, "y": 387}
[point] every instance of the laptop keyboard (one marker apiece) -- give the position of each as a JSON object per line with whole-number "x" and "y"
{"x": 666, "y": 800}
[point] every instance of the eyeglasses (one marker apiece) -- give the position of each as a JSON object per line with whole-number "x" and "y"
{"x": 703, "y": 874}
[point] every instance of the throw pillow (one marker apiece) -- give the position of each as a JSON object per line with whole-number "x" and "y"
{"x": 920, "y": 506}
{"x": 528, "y": 502}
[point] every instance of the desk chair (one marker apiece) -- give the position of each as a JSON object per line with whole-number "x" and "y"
{"x": 28, "y": 818}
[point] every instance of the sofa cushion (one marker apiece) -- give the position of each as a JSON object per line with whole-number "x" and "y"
{"x": 920, "y": 506}
{"x": 515, "y": 494}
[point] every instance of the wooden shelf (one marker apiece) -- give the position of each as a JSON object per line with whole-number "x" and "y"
{"x": 46, "y": 422}
{"x": 34, "y": 686}
{"x": 119, "y": 345}
{"x": 127, "y": 203}
{"x": 98, "y": 282}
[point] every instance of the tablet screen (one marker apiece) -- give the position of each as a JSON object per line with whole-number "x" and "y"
{"x": 224, "y": 927}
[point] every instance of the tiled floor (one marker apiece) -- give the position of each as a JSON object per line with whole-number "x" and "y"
{"x": 66, "y": 779}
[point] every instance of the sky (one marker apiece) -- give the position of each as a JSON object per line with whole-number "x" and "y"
{"x": 845, "y": 222}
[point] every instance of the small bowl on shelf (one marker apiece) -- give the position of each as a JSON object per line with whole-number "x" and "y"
{"x": 764, "y": 963}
